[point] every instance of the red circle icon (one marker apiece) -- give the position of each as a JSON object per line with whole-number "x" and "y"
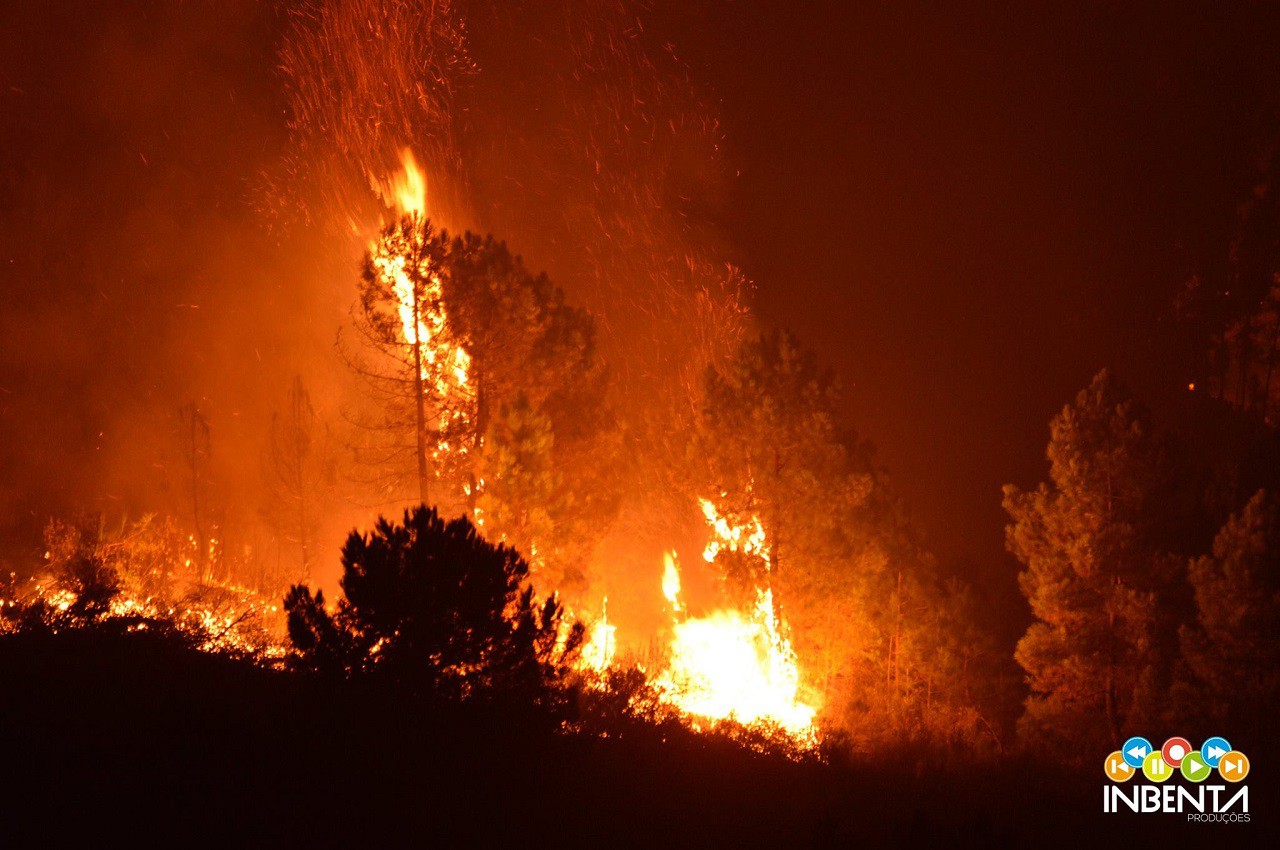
{"x": 1175, "y": 750}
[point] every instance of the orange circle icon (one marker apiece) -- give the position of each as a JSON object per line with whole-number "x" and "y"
{"x": 1234, "y": 766}
{"x": 1118, "y": 770}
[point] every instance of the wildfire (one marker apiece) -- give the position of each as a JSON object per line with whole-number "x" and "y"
{"x": 732, "y": 664}
{"x": 444, "y": 364}
{"x": 727, "y": 665}
{"x": 220, "y": 615}
{"x": 423, "y": 317}
{"x": 601, "y": 644}
{"x": 671, "y": 580}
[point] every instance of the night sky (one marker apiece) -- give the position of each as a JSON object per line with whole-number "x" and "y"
{"x": 969, "y": 212}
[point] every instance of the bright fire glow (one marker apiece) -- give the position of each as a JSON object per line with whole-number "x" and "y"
{"x": 671, "y": 580}
{"x": 735, "y": 665}
{"x": 424, "y": 320}
{"x": 223, "y": 615}
{"x": 729, "y": 664}
{"x": 601, "y": 643}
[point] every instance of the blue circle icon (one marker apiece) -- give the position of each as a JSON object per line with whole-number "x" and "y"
{"x": 1135, "y": 750}
{"x": 1213, "y": 750}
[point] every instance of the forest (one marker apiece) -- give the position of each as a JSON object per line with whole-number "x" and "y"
{"x": 399, "y": 440}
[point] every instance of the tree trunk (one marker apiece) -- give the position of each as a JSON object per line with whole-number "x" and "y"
{"x": 420, "y": 397}
{"x": 195, "y": 494}
{"x": 479, "y": 426}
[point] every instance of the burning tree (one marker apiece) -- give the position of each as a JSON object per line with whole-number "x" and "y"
{"x": 772, "y": 459}
{"x": 803, "y": 523}
{"x": 419, "y": 378}
{"x": 491, "y": 383}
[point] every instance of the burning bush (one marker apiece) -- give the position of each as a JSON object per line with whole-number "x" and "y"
{"x": 141, "y": 576}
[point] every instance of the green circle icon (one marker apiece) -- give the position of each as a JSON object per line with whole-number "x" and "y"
{"x": 1155, "y": 768}
{"x": 1195, "y": 768}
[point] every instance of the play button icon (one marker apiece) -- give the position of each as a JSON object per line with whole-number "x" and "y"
{"x": 1135, "y": 751}
{"x": 1194, "y": 768}
{"x": 1214, "y": 749}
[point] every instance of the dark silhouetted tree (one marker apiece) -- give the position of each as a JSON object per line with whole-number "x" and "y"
{"x": 1232, "y": 306}
{"x": 430, "y": 600}
{"x": 1231, "y": 653}
{"x": 1092, "y": 542}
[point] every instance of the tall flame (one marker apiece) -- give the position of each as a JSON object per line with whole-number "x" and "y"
{"x": 406, "y": 191}
{"x": 730, "y": 663}
{"x": 671, "y": 580}
{"x": 424, "y": 318}
{"x": 601, "y": 643}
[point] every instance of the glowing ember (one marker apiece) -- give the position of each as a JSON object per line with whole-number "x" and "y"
{"x": 221, "y": 616}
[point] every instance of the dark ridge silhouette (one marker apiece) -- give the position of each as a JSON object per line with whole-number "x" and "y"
{"x": 107, "y": 735}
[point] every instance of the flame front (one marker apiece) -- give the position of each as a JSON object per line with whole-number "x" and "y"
{"x": 601, "y": 643}
{"x": 732, "y": 664}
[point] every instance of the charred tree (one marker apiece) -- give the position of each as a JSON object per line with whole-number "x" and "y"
{"x": 298, "y": 469}
{"x": 195, "y": 446}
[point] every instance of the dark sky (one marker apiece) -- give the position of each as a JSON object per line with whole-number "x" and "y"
{"x": 968, "y": 212}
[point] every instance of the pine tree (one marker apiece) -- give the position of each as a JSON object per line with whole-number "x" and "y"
{"x": 1095, "y": 569}
{"x": 543, "y": 437}
{"x": 501, "y": 381}
{"x": 431, "y": 600}
{"x": 896, "y": 652}
{"x": 402, "y": 354}
{"x": 1231, "y": 652}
